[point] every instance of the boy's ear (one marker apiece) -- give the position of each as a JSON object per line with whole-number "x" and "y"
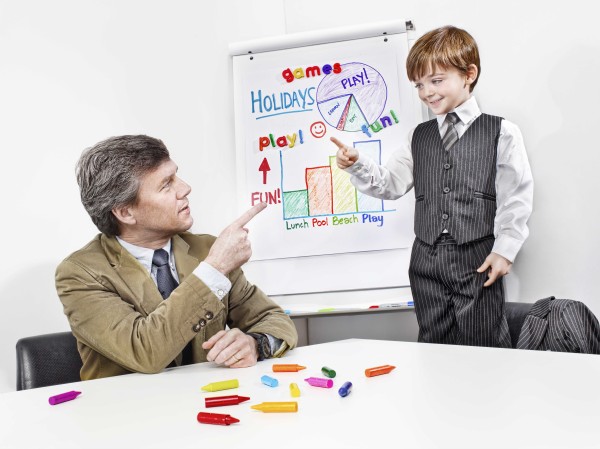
{"x": 124, "y": 215}
{"x": 472, "y": 73}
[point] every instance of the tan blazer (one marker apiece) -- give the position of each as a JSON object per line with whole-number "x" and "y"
{"x": 122, "y": 324}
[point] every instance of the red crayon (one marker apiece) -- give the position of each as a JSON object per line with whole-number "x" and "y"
{"x": 216, "y": 418}
{"x": 379, "y": 370}
{"x": 220, "y": 401}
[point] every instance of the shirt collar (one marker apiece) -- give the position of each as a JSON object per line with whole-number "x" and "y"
{"x": 144, "y": 255}
{"x": 467, "y": 112}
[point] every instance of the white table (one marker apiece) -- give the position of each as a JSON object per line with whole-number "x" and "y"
{"x": 437, "y": 397}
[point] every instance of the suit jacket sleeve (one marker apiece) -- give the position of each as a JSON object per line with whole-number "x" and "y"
{"x": 252, "y": 311}
{"x": 111, "y": 321}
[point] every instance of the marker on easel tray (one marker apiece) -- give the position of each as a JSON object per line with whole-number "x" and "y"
{"x": 220, "y": 401}
{"x": 216, "y": 418}
{"x": 63, "y": 397}
{"x": 287, "y": 368}
{"x": 319, "y": 382}
{"x": 379, "y": 370}
{"x": 276, "y": 407}
{"x": 223, "y": 385}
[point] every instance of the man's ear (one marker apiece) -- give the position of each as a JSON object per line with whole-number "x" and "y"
{"x": 472, "y": 73}
{"x": 124, "y": 215}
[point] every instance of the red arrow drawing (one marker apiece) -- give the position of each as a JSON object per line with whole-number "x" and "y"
{"x": 264, "y": 167}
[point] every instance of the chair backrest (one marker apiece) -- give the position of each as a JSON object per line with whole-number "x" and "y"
{"x": 515, "y": 315}
{"x": 45, "y": 360}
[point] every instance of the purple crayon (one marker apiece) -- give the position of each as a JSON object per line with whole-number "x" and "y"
{"x": 319, "y": 382}
{"x": 64, "y": 397}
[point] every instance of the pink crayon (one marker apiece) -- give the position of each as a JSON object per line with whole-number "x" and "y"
{"x": 319, "y": 382}
{"x": 64, "y": 397}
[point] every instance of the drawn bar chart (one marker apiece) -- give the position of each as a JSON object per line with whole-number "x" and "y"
{"x": 329, "y": 190}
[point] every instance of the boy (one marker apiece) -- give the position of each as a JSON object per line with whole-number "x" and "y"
{"x": 473, "y": 190}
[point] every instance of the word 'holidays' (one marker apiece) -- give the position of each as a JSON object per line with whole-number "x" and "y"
{"x": 282, "y": 101}
{"x": 298, "y": 73}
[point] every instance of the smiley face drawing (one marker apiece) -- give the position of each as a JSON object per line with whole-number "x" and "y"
{"x": 318, "y": 129}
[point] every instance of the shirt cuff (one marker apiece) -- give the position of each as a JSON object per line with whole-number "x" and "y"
{"x": 275, "y": 343}
{"x": 359, "y": 167}
{"x": 507, "y": 247}
{"x": 216, "y": 281}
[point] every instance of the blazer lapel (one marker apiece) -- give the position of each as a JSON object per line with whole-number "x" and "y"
{"x": 137, "y": 279}
{"x": 185, "y": 262}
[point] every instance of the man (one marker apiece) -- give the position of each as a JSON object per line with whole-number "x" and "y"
{"x": 145, "y": 293}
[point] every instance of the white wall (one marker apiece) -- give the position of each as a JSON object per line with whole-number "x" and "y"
{"x": 73, "y": 72}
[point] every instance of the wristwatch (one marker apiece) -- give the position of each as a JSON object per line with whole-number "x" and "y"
{"x": 264, "y": 346}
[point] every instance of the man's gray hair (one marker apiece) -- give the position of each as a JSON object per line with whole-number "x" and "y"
{"x": 110, "y": 172}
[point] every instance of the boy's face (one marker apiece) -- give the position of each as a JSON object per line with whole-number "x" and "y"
{"x": 444, "y": 89}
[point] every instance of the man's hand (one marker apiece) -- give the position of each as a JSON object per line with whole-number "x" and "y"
{"x": 346, "y": 156}
{"x": 232, "y": 348}
{"x": 498, "y": 266}
{"x": 232, "y": 248}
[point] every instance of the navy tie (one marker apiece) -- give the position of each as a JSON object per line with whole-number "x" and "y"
{"x": 164, "y": 279}
{"x": 451, "y": 135}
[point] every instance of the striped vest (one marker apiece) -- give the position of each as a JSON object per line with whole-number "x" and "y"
{"x": 455, "y": 190}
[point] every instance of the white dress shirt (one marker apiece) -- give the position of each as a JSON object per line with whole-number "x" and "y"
{"x": 514, "y": 182}
{"x": 216, "y": 281}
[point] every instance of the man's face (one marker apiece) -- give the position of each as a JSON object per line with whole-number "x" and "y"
{"x": 162, "y": 209}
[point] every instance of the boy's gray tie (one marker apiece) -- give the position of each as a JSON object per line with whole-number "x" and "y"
{"x": 451, "y": 135}
{"x": 164, "y": 279}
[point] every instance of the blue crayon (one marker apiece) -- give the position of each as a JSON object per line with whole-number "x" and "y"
{"x": 345, "y": 389}
{"x": 269, "y": 381}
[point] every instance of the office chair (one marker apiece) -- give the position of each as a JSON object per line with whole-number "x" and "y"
{"x": 515, "y": 315}
{"x": 45, "y": 360}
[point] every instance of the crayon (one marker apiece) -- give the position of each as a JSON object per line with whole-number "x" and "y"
{"x": 220, "y": 401}
{"x": 287, "y": 368}
{"x": 269, "y": 381}
{"x": 63, "y": 397}
{"x": 216, "y": 418}
{"x": 328, "y": 372}
{"x": 345, "y": 389}
{"x": 223, "y": 385}
{"x": 276, "y": 407}
{"x": 379, "y": 370}
{"x": 319, "y": 382}
{"x": 294, "y": 390}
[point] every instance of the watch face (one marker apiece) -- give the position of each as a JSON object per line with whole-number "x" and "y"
{"x": 265, "y": 346}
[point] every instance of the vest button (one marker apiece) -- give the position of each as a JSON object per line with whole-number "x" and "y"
{"x": 446, "y": 189}
{"x": 445, "y": 216}
{"x": 202, "y": 323}
{"x": 196, "y": 328}
{"x": 447, "y": 166}
{"x": 209, "y": 315}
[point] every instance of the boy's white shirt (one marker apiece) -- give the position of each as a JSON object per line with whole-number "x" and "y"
{"x": 514, "y": 181}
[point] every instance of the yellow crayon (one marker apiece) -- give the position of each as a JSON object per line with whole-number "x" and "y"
{"x": 223, "y": 385}
{"x": 294, "y": 390}
{"x": 276, "y": 407}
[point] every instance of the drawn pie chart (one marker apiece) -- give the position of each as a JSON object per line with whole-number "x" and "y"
{"x": 352, "y": 98}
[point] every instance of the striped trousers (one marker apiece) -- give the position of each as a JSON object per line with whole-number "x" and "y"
{"x": 451, "y": 303}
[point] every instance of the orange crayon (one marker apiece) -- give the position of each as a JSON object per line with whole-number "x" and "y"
{"x": 287, "y": 368}
{"x": 379, "y": 370}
